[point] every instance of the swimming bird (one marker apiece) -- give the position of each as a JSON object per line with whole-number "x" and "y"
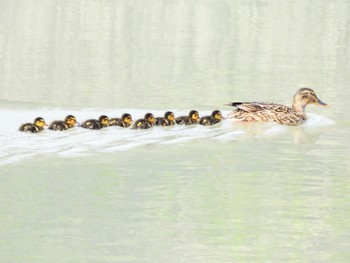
{"x": 37, "y": 126}
{"x": 167, "y": 120}
{"x": 266, "y": 111}
{"x": 147, "y": 122}
{"x": 214, "y": 118}
{"x": 93, "y": 124}
{"x": 192, "y": 118}
{"x": 125, "y": 121}
{"x": 69, "y": 122}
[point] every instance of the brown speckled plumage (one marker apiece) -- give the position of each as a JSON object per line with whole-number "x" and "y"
{"x": 263, "y": 112}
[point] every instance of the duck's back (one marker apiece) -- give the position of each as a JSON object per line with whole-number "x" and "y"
{"x": 91, "y": 124}
{"x": 29, "y": 127}
{"x": 142, "y": 124}
{"x": 207, "y": 120}
{"x": 114, "y": 122}
{"x": 184, "y": 120}
{"x": 58, "y": 126}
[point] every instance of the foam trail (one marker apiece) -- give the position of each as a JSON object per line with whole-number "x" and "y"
{"x": 17, "y": 146}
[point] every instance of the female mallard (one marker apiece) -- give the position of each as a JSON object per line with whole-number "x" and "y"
{"x": 37, "y": 126}
{"x": 192, "y": 118}
{"x": 168, "y": 120}
{"x": 215, "y": 118}
{"x": 69, "y": 122}
{"x": 93, "y": 124}
{"x": 125, "y": 121}
{"x": 145, "y": 123}
{"x": 262, "y": 112}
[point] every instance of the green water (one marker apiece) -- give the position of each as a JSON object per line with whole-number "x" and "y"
{"x": 230, "y": 193}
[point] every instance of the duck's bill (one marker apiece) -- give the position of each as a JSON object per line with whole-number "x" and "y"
{"x": 321, "y": 103}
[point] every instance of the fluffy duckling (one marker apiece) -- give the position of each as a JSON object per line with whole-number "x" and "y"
{"x": 69, "y": 122}
{"x": 125, "y": 121}
{"x": 214, "y": 118}
{"x": 37, "y": 126}
{"x": 147, "y": 122}
{"x": 94, "y": 124}
{"x": 263, "y": 112}
{"x": 168, "y": 120}
{"x": 192, "y": 118}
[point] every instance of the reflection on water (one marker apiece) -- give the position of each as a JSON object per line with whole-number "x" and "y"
{"x": 229, "y": 193}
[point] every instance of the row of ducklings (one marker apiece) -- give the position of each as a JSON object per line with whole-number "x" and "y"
{"x": 124, "y": 121}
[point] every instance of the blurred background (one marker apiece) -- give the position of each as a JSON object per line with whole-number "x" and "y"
{"x": 228, "y": 193}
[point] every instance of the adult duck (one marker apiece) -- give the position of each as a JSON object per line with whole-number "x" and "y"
{"x": 266, "y": 111}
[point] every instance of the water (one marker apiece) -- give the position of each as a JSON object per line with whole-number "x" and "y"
{"x": 230, "y": 193}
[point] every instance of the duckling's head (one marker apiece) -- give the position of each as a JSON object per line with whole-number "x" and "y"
{"x": 216, "y": 114}
{"x": 70, "y": 120}
{"x": 104, "y": 120}
{"x": 149, "y": 117}
{"x": 126, "y": 117}
{"x": 40, "y": 122}
{"x": 169, "y": 116}
{"x": 194, "y": 115}
{"x": 305, "y": 96}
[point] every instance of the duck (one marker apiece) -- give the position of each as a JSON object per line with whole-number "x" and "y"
{"x": 192, "y": 118}
{"x": 125, "y": 121}
{"x": 167, "y": 120}
{"x": 147, "y": 122}
{"x": 213, "y": 119}
{"x": 36, "y": 126}
{"x": 267, "y": 111}
{"x": 69, "y": 122}
{"x": 93, "y": 124}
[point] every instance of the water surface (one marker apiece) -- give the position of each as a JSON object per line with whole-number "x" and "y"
{"x": 230, "y": 193}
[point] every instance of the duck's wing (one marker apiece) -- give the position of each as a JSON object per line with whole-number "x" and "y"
{"x": 257, "y": 106}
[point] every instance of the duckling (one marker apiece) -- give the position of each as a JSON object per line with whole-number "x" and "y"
{"x": 37, "y": 126}
{"x": 215, "y": 118}
{"x": 69, "y": 122}
{"x": 168, "y": 120}
{"x": 94, "y": 124}
{"x": 192, "y": 118}
{"x": 125, "y": 121}
{"x": 145, "y": 123}
{"x": 263, "y": 112}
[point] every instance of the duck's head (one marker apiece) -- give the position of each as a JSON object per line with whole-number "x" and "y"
{"x": 40, "y": 122}
{"x": 126, "y": 117}
{"x": 70, "y": 120}
{"x": 305, "y": 96}
{"x": 150, "y": 118}
{"x": 104, "y": 120}
{"x": 169, "y": 116}
{"x": 216, "y": 114}
{"x": 194, "y": 115}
